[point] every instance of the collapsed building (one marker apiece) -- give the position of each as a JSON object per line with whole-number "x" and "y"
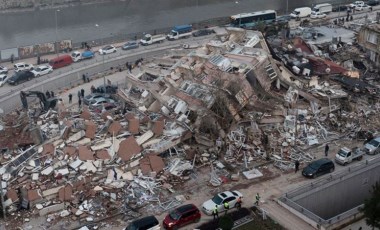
{"x": 222, "y": 108}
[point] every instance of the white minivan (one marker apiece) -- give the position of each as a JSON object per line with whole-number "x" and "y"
{"x": 301, "y": 12}
{"x": 323, "y": 8}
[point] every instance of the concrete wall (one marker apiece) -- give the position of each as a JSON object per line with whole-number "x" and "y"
{"x": 334, "y": 199}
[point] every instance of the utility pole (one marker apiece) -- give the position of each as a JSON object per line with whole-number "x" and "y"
{"x": 2, "y": 199}
{"x": 56, "y": 31}
{"x": 103, "y": 64}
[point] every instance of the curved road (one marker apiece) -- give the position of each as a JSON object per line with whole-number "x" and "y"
{"x": 125, "y": 17}
{"x": 72, "y": 75}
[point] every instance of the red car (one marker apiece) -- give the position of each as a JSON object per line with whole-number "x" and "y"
{"x": 183, "y": 215}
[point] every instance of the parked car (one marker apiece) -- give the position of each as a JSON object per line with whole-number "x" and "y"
{"x": 87, "y": 99}
{"x": 145, "y": 223}
{"x": 373, "y": 2}
{"x": 42, "y": 70}
{"x": 111, "y": 89}
{"x": 346, "y": 155}
{"x": 61, "y": 61}
{"x": 100, "y": 101}
{"x": 130, "y": 45}
{"x": 20, "y": 77}
{"x": 340, "y": 8}
{"x": 356, "y": 4}
{"x": 22, "y": 66}
{"x": 318, "y": 168}
{"x": 3, "y": 79}
{"x": 3, "y": 70}
{"x": 373, "y": 146}
{"x": 219, "y": 200}
{"x": 317, "y": 15}
{"x": 181, "y": 216}
{"x": 107, "y": 50}
{"x": 362, "y": 7}
{"x": 202, "y": 32}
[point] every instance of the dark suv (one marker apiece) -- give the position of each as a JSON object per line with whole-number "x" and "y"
{"x": 318, "y": 168}
{"x": 20, "y": 77}
{"x": 373, "y": 2}
{"x": 145, "y": 223}
{"x": 181, "y": 216}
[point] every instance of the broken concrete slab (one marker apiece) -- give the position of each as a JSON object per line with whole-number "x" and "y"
{"x": 128, "y": 148}
{"x": 70, "y": 150}
{"x": 145, "y": 137}
{"x": 158, "y": 127}
{"x": 114, "y": 128}
{"x": 52, "y": 209}
{"x": 77, "y": 136}
{"x": 85, "y": 153}
{"x": 65, "y": 193}
{"x": 251, "y": 174}
{"x": 90, "y": 129}
{"x": 48, "y": 149}
{"x": 103, "y": 154}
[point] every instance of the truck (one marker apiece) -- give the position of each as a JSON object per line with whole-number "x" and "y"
{"x": 301, "y": 12}
{"x": 78, "y": 56}
{"x": 324, "y": 8}
{"x": 346, "y": 155}
{"x": 149, "y": 39}
{"x": 178, "y": 32}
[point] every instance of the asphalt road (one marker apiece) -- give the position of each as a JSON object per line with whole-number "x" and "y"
{"x": 124, "y": 17}
{"x": 71, "y": 75}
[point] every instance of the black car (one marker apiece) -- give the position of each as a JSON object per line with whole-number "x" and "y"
{"x": 373, "y": 2}
{"x": 145, "y": 223}
{"x": 202, "y": 32}
{"x": 111, "y": 89}
{"x": 318, "y": 168}
{"x": 340, "y": 8}
{"x": 20, "y": 77}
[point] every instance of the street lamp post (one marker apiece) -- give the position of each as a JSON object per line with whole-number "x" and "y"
{"x": 56, "y": 31}
{"x": 287, "y": 6}
{"x": 103, "y": 64}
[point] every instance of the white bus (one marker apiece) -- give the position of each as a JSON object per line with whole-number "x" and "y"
{"x": 247, "y": 20}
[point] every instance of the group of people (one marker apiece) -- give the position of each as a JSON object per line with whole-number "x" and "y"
{"x": 130, "y": 66}
{"x": 49, "y": 94}
{"x": 80, "y": 97}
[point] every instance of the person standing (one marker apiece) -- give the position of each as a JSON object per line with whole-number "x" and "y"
{"x": 238, "y": 202}
{"x": 226, "y": 207}
{"x": 12, "y": 58}
{"x": 47, "y": 94}
{"x": 327, "y": 150}
{"x": 215, "y": 212}
{"x": 257, "y": 199}
{"x": 79, "y": 94}
{"x": 82, "y": 92}
{"x": 92, "y": 89}
{"x": 297, "y": 166}
{"x": 84, "y": 78}
{"x": 51, "y": 93}
{"x": 70, "y": 98}
{"x": 80, "y": 102}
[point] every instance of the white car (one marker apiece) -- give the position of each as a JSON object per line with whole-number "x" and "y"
{"x": 3, "y": 79}
{"x": 356, "y": 4}
{"x": 219, "y": 200}
{"x": 100, "y": 101}
{"x": 362, "y": 7}
{"x": 42, "y": 70}
{"x": 107, "y": 50}
{"x": 316, "y": 15}
{"x": 22, "y": 66}
{"x": 3, "y": 70}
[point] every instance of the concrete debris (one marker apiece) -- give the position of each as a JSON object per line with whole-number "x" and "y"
{"x": 210, "y": 112}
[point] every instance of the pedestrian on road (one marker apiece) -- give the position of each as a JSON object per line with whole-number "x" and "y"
{"x": 126, "y": 65}
{"x": 370, "y": 8}
{"x": 84, "y": 78}
{"x": 297, "y": 165}
{"x": 47, "y": 94}
{"x": 92, "y": 89}
{"x": 327, "y": 150}
{"x": 238, "y": 203}
{"x": 79, "y": 94}
{"x": 130, "y": 68}
{"x": 79, "y": 102}
{"x": 70, "y": 98}
{"x": 226, "y": 207}
{"x": 257, "y": 199}
{"x": 12, "y": 58}
{"x": 215, "y": 212}
{"x": 82, "y": 92}
{"x": 51, "y": 93}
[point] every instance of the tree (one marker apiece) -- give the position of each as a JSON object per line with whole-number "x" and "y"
{"x": 371, "y": 209}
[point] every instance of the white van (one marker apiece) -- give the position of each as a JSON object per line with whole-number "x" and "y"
{"x": 323, "y": 8}
{"x": 301, "y": 12}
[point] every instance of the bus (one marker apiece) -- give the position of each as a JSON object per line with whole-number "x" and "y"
{"x": 248, "y": 20}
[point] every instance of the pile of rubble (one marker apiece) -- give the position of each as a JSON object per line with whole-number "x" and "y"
{"x": 227, "y": 105}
